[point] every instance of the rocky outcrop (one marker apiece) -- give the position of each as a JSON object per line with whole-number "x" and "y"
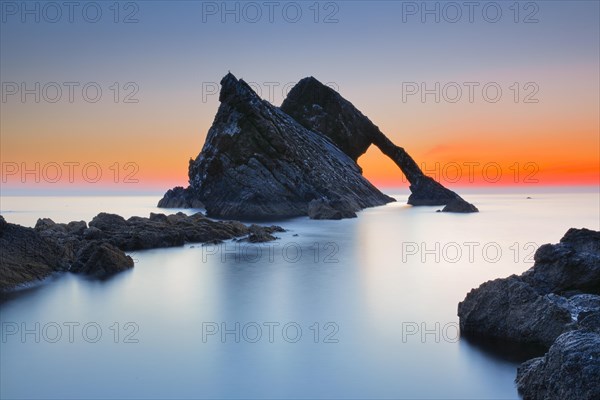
{"x": 554, "y": 304}
{"x": 180, "y": 197}
{"x": 459, "y": 205}
{"x": 321, "y": 109}
{"x": 573, "y": 265}
{"x": 25, "y": 256}
{"x": 330, "y": 209}
{"x": 543, "y": 302}
{"x": 28, "y": 255}
{"x": 570, "y": 370}
{"x": 138, "y": 233}
{"x": 511, "y": 309}
{"x": 100, "y": 260}
{"x": 260, "y": 161}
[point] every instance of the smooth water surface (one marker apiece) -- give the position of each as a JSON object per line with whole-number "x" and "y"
{"x": 360, "y": 308}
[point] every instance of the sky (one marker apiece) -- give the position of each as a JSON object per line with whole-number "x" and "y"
{"x": 120, "y": 95}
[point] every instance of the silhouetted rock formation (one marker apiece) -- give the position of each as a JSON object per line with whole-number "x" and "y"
{"x": 554, "y": 304}
{"x": 259, "y": 163}
{"x": 459, "y": 205}
{"x": 321, "y": 109}
{"x": 30, "y": 254}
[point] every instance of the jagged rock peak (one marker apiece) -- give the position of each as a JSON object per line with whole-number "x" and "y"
{"x": 235, "y": 89}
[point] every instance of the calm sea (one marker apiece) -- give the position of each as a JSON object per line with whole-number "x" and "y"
{"x": 359, "y": 308}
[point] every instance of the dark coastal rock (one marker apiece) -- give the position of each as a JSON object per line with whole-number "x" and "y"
{"x": 26, "y": 256}
{"x": 510, "y": 309}
{"x": 138, "y": 233}
{"x": 259, "y": 163}
{"x": 98, "y": 250}
{"x": 459, "y": 205}
{"x": 328, "y": 209}
{"x": 321, "y": 109}
{"x": 101, "y": 260}
{"x": 263, "y": 162}
{"x": 261, "y": 234}
{"x": 589, "y": 321}
{"x": 572, "y": 265}
{"x": 180, "y": 197}
{"x": 544, "y": 301}
{"x": 569, "y": 371}
{"x": 556, "y": 304}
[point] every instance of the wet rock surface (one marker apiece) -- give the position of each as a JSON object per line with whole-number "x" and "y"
{"x": 264, "y": 162}
{"x": 459, "y": 205}
{"x": 556, "y": 304}
{"x": 570, "y": 369}
{"x": 98, "y": 250}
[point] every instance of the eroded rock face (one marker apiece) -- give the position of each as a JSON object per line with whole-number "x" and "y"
{"x": 510, "y": 309}
{"x": 101, "y": 260}
{"x": 572, "y": 265}
{"x": 569, "y": 371}
{"x": 259, "y": 163}
{"x": 180, "y": 197}
{"x": 26, "y": 256}
{"x": 543, "y": 302}
{"x": 555, "y": 304}
{"x": 330, "y": 209}
{"x": 30, "y": 254}
{"x": 321, "y": 109}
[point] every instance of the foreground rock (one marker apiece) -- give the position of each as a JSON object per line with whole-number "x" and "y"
{"x": 25, "y": 256}
{"x": 97, "y": 250}
{"x": 511, "y": 309}
{"x": 101, "y": 260}
{"x": 260, "y": 161}
{"x": 570, "y": 370}
{"x": 555, "y": 304}
{"x": 542, "y": 303}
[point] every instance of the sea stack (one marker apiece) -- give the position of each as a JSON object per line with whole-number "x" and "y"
{"x": 264, "y": 162}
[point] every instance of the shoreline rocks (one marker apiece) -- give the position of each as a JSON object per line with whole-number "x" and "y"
{"x": 556, "y": 304}
{"x": 570, "y": 369}
{"x": 98, "y": 250}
